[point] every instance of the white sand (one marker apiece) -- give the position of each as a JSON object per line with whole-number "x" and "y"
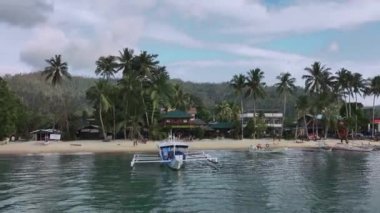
{"x": 36, "y": 147}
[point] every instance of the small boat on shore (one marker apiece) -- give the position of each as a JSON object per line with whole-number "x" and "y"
{"x": 349, "y": 147}
{"x": 267, "y": 149}
{"x": 172, "y": 154}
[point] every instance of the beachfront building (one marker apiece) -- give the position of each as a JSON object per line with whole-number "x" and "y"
{"x": 46, "y": 134}
{"x": 272, "y": 118}
{"x": 90, "y": 132}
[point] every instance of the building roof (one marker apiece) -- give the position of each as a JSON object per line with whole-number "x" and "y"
{"x": 197, "y": 122}
{"x": 222, "y": 125}
{"x": 176, "y": 114}
{"x": 56, "y": 131}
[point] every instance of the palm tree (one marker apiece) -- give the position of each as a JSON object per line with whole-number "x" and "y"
{"x": 255, "y": 89}
{"x": 315, "y": 80}
{"x": 56, "y": 70}
{"x": 374, "y": 89}
{"x": 285, "y": 87}
{"x": 358, "y": 87}
{"x": 224, "y": 111}
{"x": 318, "y": 81}
{"x": 106, "y": 66}
{"x": 302, "y": 106}
{"x": 238, "y": 84}
{"x": 98, "y": 95}
{"x": 343, "y": 85}
{"x": 125, "y": 60}
{"x": 179, "y": 98}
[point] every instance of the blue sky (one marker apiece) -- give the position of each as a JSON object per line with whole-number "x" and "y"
{"x": 197, "y": 40}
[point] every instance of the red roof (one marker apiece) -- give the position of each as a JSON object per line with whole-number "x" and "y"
{"x": 376, "y": 121}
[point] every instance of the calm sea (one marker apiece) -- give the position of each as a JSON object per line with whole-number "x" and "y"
{"x": 297, "y": 181}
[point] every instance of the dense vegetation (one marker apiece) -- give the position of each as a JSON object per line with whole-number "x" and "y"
{"x": 132, "y": 104}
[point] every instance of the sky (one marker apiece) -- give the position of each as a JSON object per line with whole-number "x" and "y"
{"x": 197, "y": 40}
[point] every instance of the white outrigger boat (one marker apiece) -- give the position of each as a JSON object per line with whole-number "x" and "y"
{"x": 173, "y": 154}
{"x": 349, "y": 147}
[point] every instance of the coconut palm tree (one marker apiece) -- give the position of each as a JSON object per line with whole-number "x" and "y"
{"x": 56, "y": 70}
{"x": 98, "y": 95}
{"x": 179, "y": 98}
{"x": 343, "y": 85}
{"x": 285, "y": 87}
{"x": 374, "y": 89}
{"x": 224, "y": 111}
{"x": 302, "y": 106}
{"x": 125, "y": 60}
{"x": 318, "y": 81}
{"x": 238, "y": 84}
{"x": 358, "y": 88}
{"x": 255, "y": 88}
{"x": 314, "y": 82}
{"x": 106, "y": 66}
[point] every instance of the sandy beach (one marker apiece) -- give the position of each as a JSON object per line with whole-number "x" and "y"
{"x": 36, "y": 147}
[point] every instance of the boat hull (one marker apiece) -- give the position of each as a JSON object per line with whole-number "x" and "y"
{"x": 175, "y": 164}
{"x": 352, "y": 148}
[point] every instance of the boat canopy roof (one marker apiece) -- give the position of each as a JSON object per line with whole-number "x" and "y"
{"x": 172, "y": 144}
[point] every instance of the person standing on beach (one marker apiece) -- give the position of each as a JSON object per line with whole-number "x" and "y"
{"x": 342, "y": 132}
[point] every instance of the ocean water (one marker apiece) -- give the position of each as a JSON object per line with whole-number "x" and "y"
{"x": 296, "y": 181}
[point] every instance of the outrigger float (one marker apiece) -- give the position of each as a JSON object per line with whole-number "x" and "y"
{"x": 172, "y": 154}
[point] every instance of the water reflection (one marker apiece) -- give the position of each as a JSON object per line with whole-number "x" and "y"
{"x": 293, "y": 182}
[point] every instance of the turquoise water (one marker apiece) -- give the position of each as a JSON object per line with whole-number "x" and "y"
{"x": 297, "y": 181}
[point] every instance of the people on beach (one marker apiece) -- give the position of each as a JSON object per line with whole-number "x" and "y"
{"x": 342, "y": 132}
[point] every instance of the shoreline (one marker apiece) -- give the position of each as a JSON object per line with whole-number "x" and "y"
{"x": 126, "y": 146}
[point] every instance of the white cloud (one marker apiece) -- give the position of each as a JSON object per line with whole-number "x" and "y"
{"x": 333, "y": 47}
{"x": 242, "y": 16}
{"x": 166, "y": 33}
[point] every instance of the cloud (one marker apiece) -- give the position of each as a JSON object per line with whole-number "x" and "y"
{"x": 255, "y": 18}
{"x": 168, "y": 34}
{"x": 333, "y": 47}
{"x": 24, "y": 13}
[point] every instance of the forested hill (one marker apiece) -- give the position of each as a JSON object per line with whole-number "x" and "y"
{"x": 33, "y": 90}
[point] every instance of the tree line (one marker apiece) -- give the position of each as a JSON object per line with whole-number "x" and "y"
{"x": 132, "y": 102}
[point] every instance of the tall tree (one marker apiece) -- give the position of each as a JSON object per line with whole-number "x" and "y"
{"x": 238, "y": 84}
{"x": 302, "y": 106}
{"x": 125, "y": 60}
{"x": 56, "y": 70}
{"x": 98, "y": 94}
{"x": 11, "y": 110}
{"x": 343, "y": 85}
{"x": 106, "y": 67}
{"x": 318, "y": 81}
{"x": 374, "y": 89}
{"x": 285, "y": 87}
{"x": 255, "y": 89}
{"x": 358, "y": 88}
{"x": 314, "y": 81}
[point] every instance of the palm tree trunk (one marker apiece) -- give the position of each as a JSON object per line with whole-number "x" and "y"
{"x": 101, "y": 121}
{"x": 283, "y": 118}
{"x": 241, "y": 116}
{"x": 296, "y": 132}
{"x": 346, "y": 104}
{"x": 114, "y": 121}
{"x": 373, "y": 116}
{"x": 254, "y": 119}
{"x": 153, "y": 109}
{"x": 356, "y": 114}
{"x": 305, "y": 126}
